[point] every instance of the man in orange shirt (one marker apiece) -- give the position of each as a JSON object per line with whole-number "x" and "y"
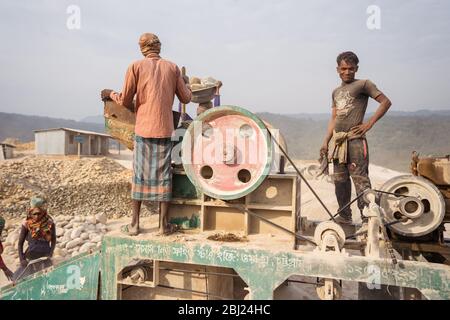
{"x": 155, "y": 82}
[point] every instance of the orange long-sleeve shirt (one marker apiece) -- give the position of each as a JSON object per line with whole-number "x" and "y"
{"x": 155, "y": 82}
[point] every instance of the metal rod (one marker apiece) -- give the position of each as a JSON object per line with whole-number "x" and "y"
{"x": 386, "y": 225}
{"x": 348, "y": 204}
{"x": 301, "y": 176}
{"x": 194, "y": 291}
{"x": 201, "y": 272}
{"x": 391, "y": 193}
{"x": 268, "y": 221}
{"x": 302, "y": 282}
{"x": 361, "y": 194}
{"x": 179, "y": 289}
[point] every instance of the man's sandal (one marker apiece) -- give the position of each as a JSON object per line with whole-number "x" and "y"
{"x": 126, "y": 229}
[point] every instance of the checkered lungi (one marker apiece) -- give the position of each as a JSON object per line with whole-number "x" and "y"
{"x": 152, "y": 172}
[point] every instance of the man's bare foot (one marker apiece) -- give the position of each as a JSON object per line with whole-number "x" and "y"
{"x": 129, "y": 230}
{"x": 168, "y": 230}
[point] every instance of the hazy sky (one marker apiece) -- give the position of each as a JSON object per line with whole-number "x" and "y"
{"x": 274, "y": 56}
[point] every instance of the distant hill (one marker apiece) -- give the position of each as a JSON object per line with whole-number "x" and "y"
{"x": 318, "y": 116}
{"x": 21, "y": 126}
{"x": 391, "y": 141}
{"x": 100, "y": 119}
{"x": 419, "y": 113}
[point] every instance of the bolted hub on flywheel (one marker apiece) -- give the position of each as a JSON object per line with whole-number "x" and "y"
{"x": 227, "y": 152}
{"x": 418, "y": 205}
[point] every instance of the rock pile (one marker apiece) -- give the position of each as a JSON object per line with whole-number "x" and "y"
{"x": 75, "y": 235}
{"x": 72, "y": 186}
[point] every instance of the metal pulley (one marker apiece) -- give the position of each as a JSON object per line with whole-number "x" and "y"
{"x": 227, "y": 152}
{"x": 329, "y": 236}
{"x": 139, "y": 274}
{"x": 418, "y": 206}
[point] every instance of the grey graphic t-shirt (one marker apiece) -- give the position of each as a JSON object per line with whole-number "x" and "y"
{"x": 351, "y": 100}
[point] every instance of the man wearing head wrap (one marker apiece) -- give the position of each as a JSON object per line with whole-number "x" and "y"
{"x": 8, "y": 273}
{"x": 38, "y": 229}
{"x": 149, "y": 44}
{"x": 155, "y": 82}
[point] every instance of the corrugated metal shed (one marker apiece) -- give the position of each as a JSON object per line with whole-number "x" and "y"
{"x": 75, "y": 131}
{"x": 66, "y": 141}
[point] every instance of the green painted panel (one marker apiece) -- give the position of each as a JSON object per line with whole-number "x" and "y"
{"x": 264, "y": 271}
{"x": 182, "y": 187}
{"x": 74, "y": 279}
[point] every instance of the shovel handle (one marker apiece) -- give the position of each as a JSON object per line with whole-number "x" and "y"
{"x": 183, "y": 106}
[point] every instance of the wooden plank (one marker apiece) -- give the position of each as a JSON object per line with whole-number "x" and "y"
{"x": 281, "y": 218}
{"x": 219, "y": 285}
{"x": 274, "y": 191}
{"x": 185, "y": 280}
{"x": 202, "y": 213}
{"x": 217, "y": 203}
{"x": 247, "y": 217}
{"x": 156, "y": 274}
{"x": 224, "y": 219}
{"x": 186, "y": 202}
{"x": 158, "y": 293}
{"x": 294, "y": 211}
{"x": 270, "y": 207}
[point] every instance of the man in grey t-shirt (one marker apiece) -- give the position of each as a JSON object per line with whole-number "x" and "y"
{"x": 347, "y": 131}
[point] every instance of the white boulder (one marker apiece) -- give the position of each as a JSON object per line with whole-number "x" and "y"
{"x": 101, "y": 218}
{"x": 73, "y": 243}
{"x": 76, "y": 233}
{"x": 87, "y": 246}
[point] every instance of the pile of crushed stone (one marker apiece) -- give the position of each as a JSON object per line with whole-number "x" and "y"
{"x": 72, "y": 186}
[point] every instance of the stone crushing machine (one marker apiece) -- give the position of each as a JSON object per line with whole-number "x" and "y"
{"x": 242, "y": 234}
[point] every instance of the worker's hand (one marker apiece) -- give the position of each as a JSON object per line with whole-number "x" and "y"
{"x": 186, "y": 79}
{"x": 24, "y": 263}
{"x": 324, "y": 150}
{"x": 361, "y": 129}
{"x": 8, "y": 274}
{"x": 218, "y": 86}
{"x": 105, "y": 94}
